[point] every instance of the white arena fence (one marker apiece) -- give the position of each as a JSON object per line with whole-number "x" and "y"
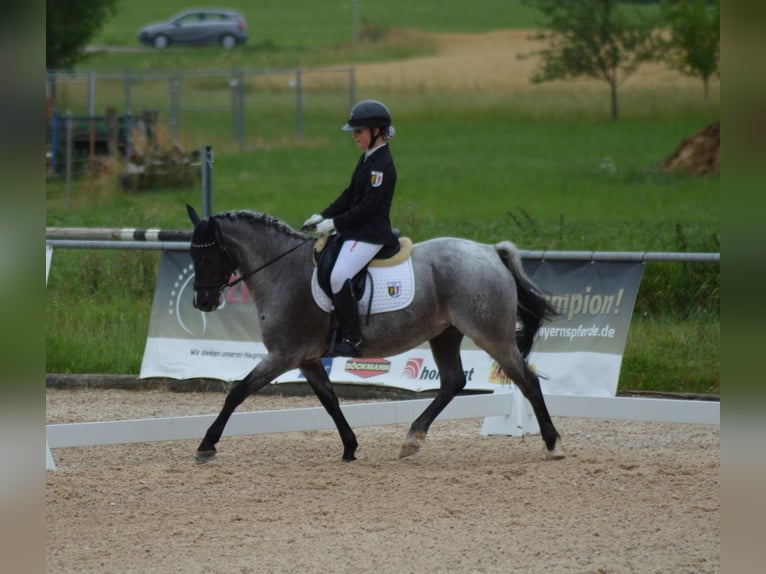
{"x": 505, "y": 411}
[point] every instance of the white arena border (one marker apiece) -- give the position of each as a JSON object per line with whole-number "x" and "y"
{"x": 506, "y": 412}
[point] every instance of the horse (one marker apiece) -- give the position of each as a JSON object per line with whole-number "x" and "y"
{"x": 463, "y": 289}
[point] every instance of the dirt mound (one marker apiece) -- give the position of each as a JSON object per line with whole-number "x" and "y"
{"x": 698, "y": 154}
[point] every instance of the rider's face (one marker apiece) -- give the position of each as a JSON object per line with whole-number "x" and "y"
{"x": 362, "y": 137}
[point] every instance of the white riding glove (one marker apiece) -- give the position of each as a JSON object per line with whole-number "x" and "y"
{"x": 325, "y": 227}
{"x": 313, "y": 220}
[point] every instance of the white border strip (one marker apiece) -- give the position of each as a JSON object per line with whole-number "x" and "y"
{"x": 375, "y": 414}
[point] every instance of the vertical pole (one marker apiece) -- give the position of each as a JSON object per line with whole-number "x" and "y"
{"x": 128, "y": 121}
{"x": 175, "y": 104}
{"x": 68, "y": 186}
{"x": 91, "y": 94}
{"x": 237, "y": 84}
{"x": 92, "y": 123}
{"x": 128, "y": 82}
{"x": 207, "y": 180}
{"x": 241, "y": 86}
{"x": 54, "y": 142}
{"x": 233, "y": 89}
{"x": 299, "y": 104}
{"x": 113, "y": 131}
{"x": 351, "y": 87}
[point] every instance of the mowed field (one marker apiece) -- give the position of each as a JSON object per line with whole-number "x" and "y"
{"x": 494, "y": 62}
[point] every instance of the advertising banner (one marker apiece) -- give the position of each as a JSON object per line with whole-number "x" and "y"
{"x": 578, "y": 352}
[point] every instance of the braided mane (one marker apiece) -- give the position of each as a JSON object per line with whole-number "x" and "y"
{"x": 262, "y": 219}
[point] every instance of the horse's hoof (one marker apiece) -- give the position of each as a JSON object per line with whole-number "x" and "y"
{"x": 556, "y": 453}
{"x": 203, "y": 456}
{"x": 408, "y": 449}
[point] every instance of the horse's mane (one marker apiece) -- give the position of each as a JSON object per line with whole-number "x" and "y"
{"x": 261, "y": 219}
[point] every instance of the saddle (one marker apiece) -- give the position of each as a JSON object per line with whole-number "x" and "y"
{"x": 327, "y": 248}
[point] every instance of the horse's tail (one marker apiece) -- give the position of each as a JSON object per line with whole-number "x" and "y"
{"x": 533, "y": 308}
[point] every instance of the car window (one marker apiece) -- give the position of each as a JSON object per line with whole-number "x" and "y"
{"x": 189, "y": 20}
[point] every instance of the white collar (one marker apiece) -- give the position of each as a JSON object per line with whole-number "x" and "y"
{"x": 369, "y": 152}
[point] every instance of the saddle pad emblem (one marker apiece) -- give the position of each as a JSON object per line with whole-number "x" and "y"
{"x": 376, "y": 178}
{"x": 394, "y": 289}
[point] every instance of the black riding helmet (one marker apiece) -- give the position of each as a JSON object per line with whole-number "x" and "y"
{"x": 370, "y": 114}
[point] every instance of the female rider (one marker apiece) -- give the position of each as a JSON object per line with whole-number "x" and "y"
{"x": 361, "y": 215}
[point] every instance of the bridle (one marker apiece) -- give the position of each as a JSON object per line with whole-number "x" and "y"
{"x": 228, "y": 266}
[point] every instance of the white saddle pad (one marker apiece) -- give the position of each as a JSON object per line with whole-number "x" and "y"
{"x": 394, "y": 289}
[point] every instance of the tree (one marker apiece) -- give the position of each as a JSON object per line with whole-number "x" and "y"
{"x": 695, "y": 38}
{"x": 70, "y": 25}
{"x": 595, "y": 39}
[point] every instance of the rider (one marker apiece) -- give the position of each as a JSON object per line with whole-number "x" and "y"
{"x": 361, "y": 215}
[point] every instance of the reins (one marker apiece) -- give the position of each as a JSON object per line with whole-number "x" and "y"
{"x": 257, "y": 269}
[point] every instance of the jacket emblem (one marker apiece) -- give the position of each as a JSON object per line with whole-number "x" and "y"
{"x": 376, "y": 178}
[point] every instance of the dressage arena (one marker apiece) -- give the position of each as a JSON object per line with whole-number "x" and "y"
{"x": 629, "y": 497}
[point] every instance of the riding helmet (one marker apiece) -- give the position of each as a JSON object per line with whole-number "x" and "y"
{"x": 368, "y": 114}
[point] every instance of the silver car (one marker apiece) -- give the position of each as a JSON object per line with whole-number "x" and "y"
{"x": 197, "y": 27}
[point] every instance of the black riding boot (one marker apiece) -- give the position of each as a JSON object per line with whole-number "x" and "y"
{"x": 350, "y": 340}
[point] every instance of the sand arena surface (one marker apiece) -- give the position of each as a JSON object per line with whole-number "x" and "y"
{"x": 630, "y": 497}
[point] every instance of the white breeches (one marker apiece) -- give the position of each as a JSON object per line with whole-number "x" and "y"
{"x": 354, "y": 255}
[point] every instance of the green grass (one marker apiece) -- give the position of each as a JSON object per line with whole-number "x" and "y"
{"x": 664, "y": 354}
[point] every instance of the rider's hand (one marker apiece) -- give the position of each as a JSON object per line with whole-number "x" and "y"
{"x": 313, "y": 220}
{"x": 325, "y": 227}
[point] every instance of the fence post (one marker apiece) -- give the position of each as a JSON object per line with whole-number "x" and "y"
{"x": 127, "y": 82}
{"x": 91, "y": 94}
{"x": 113, "y": 132}
{"x": 207, "y": 180}
{"x": 175, "y": 105}
{"x": 68, "y": 186}
{"x": 54, "y": 143}
{"x": 237, "y": 84}
{"x": 127, "y": 121}
{"x": 299, "y": 104}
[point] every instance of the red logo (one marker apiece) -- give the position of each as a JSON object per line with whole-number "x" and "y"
{"x": 412, "y": 368}
{"x": 367, "y": 368}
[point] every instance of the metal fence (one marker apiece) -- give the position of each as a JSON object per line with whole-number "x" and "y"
{"x": 191, "y": 109}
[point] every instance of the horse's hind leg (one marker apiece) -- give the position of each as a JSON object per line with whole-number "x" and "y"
{"x": 317, "y": 377}
{"x": 529, "y": 385}
{"x": 446, "y": 352}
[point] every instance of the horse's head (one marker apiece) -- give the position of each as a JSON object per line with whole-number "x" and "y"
{"x": 213, "y": 265}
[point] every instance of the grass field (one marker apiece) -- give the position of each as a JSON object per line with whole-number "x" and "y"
{"x": 481, "y": 153}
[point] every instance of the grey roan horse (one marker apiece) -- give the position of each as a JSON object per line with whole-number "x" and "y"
{"x": 463, "y": 289}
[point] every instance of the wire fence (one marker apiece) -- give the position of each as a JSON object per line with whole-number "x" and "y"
{"x": 92, "y": 116}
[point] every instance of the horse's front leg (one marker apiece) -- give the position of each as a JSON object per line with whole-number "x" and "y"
{"x": 316, "y": 375}
{"x": 266, "y": 371}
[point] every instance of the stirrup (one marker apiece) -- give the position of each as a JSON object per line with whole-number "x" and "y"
{"x": 346, "y": 348}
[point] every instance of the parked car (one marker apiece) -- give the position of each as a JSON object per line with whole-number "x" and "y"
{"x": 197, "y": 27}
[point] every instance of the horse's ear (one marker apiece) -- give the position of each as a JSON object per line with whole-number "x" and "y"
{"x": 192, "y": 214}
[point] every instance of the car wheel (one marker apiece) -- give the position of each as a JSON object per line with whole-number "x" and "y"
{"x": 160, "y": 42}
{"x": 228, "y": 42}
